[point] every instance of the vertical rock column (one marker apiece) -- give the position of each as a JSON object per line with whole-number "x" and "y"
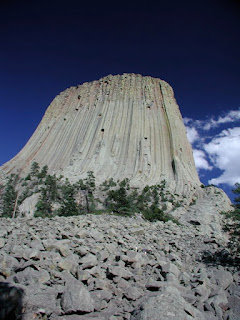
{"x": 123, "y": 126}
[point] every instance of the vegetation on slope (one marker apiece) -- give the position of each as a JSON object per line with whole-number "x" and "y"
{"x": 232, "y": 224}
{"x": 57, "y": 196}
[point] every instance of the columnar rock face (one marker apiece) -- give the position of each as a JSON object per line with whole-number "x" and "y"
{"x": 123, "y": 126}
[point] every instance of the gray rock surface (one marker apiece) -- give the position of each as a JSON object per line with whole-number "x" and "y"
{"x": 97, "y": 267}
{"x": 76, "y": 297}
{"x": 79, "y": 133}
{"x": 169, "y": 304}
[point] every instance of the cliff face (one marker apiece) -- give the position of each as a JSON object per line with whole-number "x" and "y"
{"x": 124, "y": 126}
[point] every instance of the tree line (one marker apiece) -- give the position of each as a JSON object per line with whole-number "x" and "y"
{"x": 58, "y": 196}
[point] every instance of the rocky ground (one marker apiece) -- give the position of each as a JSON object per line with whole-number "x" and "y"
{"x": 108, "y": 267}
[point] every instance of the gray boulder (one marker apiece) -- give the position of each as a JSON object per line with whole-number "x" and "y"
{"x": 76, "y": 297}
{"x": 170, "y": 305}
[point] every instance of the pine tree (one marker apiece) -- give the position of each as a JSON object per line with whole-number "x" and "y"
{"x": 34, "y": 171}
{"x": 235, "y": 235}
{"x": 237, "y": 199}
{"x": 9, "y": 198}
{"x": 51, "y": 183}
{"x": 233, "y": 224}
{"x": 43, "y": 173}
{"x": 88, "y": 186}
{"x": 43, "y": 206}
{"x": 49, "y": 194}
{"x": 69, "y": 206}
{"x": 120, "y": 200}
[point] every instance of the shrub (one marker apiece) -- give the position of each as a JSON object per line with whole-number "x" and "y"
{"x": 153, "y": 214}
{"x": 232, "y": 225}
{"x": 120, "y": 201}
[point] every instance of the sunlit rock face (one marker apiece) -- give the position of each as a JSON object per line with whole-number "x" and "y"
{"x": 123, "y": 126}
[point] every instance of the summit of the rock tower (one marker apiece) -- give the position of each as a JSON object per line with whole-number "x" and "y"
{"x": 121, "y": 126}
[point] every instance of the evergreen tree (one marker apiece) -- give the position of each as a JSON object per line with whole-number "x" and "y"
{"x": 88, "y": 186}
{"x": 49, "y": 194}
{"x": 237, "y": 199}
{"x": 233, "y": 224}
{"x": 51, "y": 186}
{"x": 44, "y": 205}
{"x": 43, "y": 173}
{"x": 119, "y": 196}
{"x": 9, "y": 197}
{"x": 1, "y": 198}
{"x": 69, "y": 206}
{"x": 34, "y": 171}
{"x": 120, "y": 200}
{"x": 144, "y": 198}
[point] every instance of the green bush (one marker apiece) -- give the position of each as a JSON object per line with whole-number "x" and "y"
{"x": 153, "y": 213}
{"x": 120, "y": 200}
{"x": 125, "y": 201}
{"x": 232, "y": 224}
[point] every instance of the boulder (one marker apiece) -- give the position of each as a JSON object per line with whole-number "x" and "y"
{"x": 76, "y": 297}
{"x": 169, "y": 304}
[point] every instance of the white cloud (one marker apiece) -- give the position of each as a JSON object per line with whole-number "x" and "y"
{"x": 221, "y": 151}
{"x": 192, "y": 134}
{"x": 187, "y": 120}
{"x": 224, "y": 152}
{"x": 231, "y": 116}
{"x": 212, "y": 122}
{"x": 199, "y": 155}
{"x": 200, "y": 160}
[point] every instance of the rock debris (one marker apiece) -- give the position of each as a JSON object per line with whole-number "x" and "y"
{"x": 112, "y": 267}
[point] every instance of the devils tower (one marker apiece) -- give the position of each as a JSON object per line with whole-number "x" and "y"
{"x": 123, "y": 126}
{"x": 108, "y": 266}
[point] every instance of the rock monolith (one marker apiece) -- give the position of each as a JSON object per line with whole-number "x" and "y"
{"x": 122, "y": 126}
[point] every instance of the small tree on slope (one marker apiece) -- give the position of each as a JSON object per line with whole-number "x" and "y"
{"x": 9, "y": 196}
{"x": 233, "y": 224}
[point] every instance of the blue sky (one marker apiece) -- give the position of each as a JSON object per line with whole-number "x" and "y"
{"x": 47, "y": 46}
{"x": 216, "y": 148}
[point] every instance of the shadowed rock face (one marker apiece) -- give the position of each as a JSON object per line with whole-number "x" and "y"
{"x": 123, "y": 126}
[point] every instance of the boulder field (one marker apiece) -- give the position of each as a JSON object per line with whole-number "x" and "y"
{"x": 112, "y": 267}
